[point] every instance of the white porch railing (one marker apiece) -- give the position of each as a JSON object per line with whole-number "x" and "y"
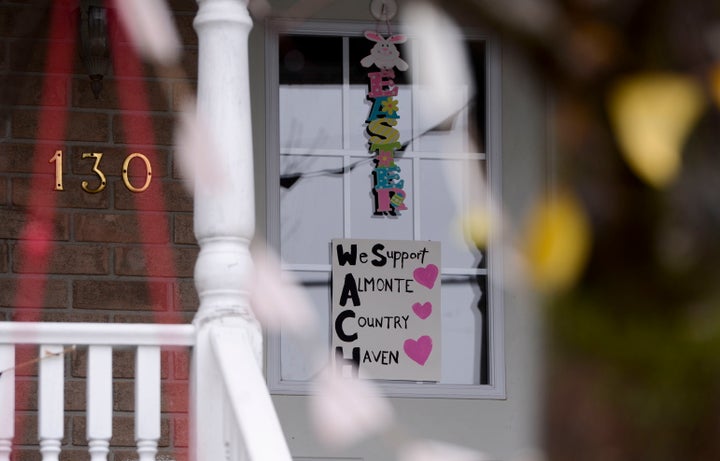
{"x": 54, "y": 341}
{"x": 247, "y": 426}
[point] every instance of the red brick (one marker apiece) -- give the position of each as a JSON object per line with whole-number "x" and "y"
{"x": 117, "y": 295}
{"x": 125, "y": 62}
{"x": 26, "y": 429}
{"x": 75, "y": 316}
{"x": 74, "y": 454}
{"x": 36, "y": 90}
{"x": 56, "y": 292}
{"x": 25, "y": 122}
{"x": 176, "y": 454}
{"x": 121, "y": 228}
{"x": 123, "y": 364}
{"x": 183, "y": 5}
{"x": 17, "y": 20}
{"x": 161, "y": 125}
{"x": 181, "y": 431}
{"x": 124, "y": 396}
{"x": 88, "y": 126}
{"x": 19, "y": 157}
{"x": 26, "y": 454}
{"x": 3, "y": 57}
{"x": 156, "y": 317}
{"x": 75, "y": 394}
{"x": 26, "y": 394}
{"x": 183, "y": 89}
{"x": 81, "y": 126}
{"x": 29, "y": 56}
{"x": 184, "y": 24}
{"x": 3, "y": 258}
{"x": 112, "y": 161}
{"x": 163, "y": 454}
{"x": 4, "y": 196}
{"x": 185, "y": 296}
{"x": 155, "y": 93}
{"x": 14, "y": 221}
{"x": 71, "y": 197}
{"x": 160, "y": 196}
{"x": 123, "y": 430}
{"x": 134, "y": 261}
{"x": 67, "y": 259}
{"x": 175, "y": 397}
{"x": 181, "y": 364}
{"x": 26, "y": 360}
{"x": 183, "y": 232}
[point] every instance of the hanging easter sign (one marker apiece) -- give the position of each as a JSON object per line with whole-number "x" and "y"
{"x": 388, "y": 188}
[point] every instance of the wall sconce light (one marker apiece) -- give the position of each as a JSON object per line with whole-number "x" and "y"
{"x": 94, "y": 42}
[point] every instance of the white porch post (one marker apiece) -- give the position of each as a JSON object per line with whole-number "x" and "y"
{"x": 224, "y": 211}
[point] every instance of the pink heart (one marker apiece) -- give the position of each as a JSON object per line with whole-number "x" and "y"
{"x": 426, "y": 275}
{"x": 418, "y": 350}
{"x": 422, "y": 310}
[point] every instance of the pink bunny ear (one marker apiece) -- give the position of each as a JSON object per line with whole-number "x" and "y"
{"x": 375, "y": 37}
{"x": 398, "y": 38}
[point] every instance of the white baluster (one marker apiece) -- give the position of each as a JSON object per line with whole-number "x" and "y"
{"x": 51, "y": 396}
{"x": 7, "y": 400}
{"x": 147, "y": 401}
{"x": 99, "y": 401}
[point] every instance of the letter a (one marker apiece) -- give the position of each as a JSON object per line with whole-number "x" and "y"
{"x": 349, "y": 291}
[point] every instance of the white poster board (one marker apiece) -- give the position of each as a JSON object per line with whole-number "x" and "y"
{"x": 386, "y": 309}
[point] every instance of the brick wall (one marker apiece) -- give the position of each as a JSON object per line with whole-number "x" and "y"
{"x": 114, "y": 256}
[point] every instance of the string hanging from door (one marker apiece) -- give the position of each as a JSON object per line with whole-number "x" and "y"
{"x": 383, "y": 138}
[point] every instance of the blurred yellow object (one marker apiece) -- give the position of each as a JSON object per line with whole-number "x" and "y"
{"x": 557, "y": 243}
{"x": 715, "y": 83}
{"x": 476, "y": 227}
{"x": 652, "y": 114}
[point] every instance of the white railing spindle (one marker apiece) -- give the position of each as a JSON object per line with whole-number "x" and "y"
{"x": 51, "y": 395}
{"x": 147, "y": 401}
{"x": 99, "y": 401}
{"x": 7, "y": 400}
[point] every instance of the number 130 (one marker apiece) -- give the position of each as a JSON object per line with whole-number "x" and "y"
{"x": 102, "y": 181}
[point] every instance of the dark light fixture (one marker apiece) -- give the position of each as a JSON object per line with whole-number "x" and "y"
{"x": 94, "y": 42}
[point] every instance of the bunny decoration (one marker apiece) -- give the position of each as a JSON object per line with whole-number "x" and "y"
{"x": 384, "y": 54}
{"x": 383, "y": 136}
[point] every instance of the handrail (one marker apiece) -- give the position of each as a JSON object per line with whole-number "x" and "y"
{"x": 115, "y": 334}
{"x": 248, "y": 395}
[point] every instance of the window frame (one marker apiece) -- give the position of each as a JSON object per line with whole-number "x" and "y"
{"x": 496, "y": 388}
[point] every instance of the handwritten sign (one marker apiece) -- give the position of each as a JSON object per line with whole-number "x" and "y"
{"x": 386, "y": 309}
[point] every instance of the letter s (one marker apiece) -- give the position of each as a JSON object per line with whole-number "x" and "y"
{"x": 384, "y": 128}
{"x": 376, "y": 249}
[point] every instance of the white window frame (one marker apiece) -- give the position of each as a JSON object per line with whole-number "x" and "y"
{"x": 496, "y": 388}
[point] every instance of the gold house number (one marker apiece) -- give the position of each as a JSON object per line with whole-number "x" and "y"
{"x": 102, "y": 181}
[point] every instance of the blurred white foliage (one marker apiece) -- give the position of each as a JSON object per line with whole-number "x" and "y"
{"x": 539, "y": 17}
{"x": 278, "y": 301}
{"x": 441, "y": 44}
{"x": 712, "y": 37}
{"x": 151, "y": 29}
{"x": 429, "y": 450}
{"x": 347, "y": 410}
{"x": 195, "y": 149}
